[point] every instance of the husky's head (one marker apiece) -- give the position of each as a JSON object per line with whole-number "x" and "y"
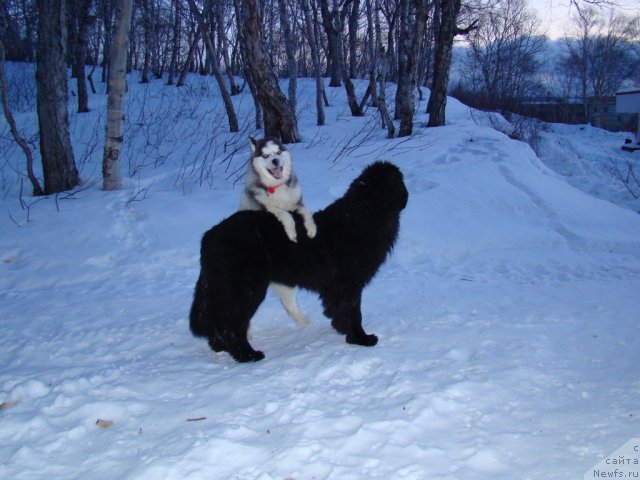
{"x": 271, "y": 160}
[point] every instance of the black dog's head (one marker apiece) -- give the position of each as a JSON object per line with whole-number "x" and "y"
{"x": 383, "y": 180}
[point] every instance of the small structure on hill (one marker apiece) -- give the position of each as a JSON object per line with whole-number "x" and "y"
{"x": 628, "y": 101}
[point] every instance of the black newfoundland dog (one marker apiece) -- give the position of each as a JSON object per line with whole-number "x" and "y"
{"x": 245, "y": 252}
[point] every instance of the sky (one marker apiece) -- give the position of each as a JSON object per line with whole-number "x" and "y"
{"x": 555, "y": 15}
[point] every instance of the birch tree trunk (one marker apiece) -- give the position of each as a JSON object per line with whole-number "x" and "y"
{"x": 446, "y": 32}
{"x": 156, "y": 67}
{"x": 411, "y": 32}
{"x": 333, "y": 24}
{"x": 246, "y": 71}
{"x": 403, "y": 19}
{"x": 175, "y": 47}
{"x": 291, "y": 54}
{"x": 58, "y": 163}
{"x": 84, "y": 20}
{"x": 115, "y": 103}
{"x": 146, "y": 24}
{"x": 383, "y": 67}
{"x": 378, "y": 70}
{"x": 334, "y": 43}
{"x": 315, "y": 58}
{"x": 279, "y": 119}
{"x": 79, "y": 22}
{"x": 354, "y": 15}
{"x": 189, "y": 60}
{"x": 226, "y": 98}
{"x": 106, "y": 11}
{"x": 223, "y": 42}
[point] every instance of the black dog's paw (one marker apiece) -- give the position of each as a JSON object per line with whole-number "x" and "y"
{"x": 364, "y": 340}
{"x": 257, "y": 356}
{"x": 216, "y": 344}
{"x": 246, "y": 357}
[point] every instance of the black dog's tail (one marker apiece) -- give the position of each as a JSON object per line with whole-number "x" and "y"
{"x": 197, "y": 316}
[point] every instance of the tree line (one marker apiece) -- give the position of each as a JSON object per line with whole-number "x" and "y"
{"x": 507, "y": 64}
{"x": 253, "y": 43}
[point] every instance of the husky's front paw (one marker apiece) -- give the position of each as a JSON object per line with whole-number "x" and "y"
{"x": 293, "y": 237}
{"x": 290, "y": 230}
{"x": 311, "y": 228}
{"x": 289, "y": 225}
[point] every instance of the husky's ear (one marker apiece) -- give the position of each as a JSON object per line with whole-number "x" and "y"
{"x": 254, "y": 144}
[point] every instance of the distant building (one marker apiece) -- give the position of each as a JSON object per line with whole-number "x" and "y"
{"x": 599, "y": 112}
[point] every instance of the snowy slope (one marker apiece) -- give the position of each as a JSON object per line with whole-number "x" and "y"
{"x": 507, "y": 315}
{"x": 591, "y": 159}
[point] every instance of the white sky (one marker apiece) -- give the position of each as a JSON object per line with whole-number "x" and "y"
{"x": 555, "y": 15}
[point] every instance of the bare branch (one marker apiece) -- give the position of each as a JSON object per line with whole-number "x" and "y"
{"x": 37, "y": 189}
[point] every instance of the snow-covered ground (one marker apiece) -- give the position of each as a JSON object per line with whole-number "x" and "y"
{"x": 592, "y": 160}
{"x": 507, "y": 314}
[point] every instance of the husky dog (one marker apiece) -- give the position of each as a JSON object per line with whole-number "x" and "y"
{"x": 271, "y": 185}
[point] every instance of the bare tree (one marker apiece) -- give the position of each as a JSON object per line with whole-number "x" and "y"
{"x": 148, "y": 24}
{"x": 226, "y": 98}
{"x": 378, "y": 69}
{"x": 354, "y": 16}
{"x": 224, "y": 45}
{"x": 195, "y": 36}
{"x": 175, "y": 47}
{"x": 80, "y": 20}
{"x": 58, "y": 163}
{"x": 390, "y": 11}
{"x": 446, "y": 31}
{"x": 279, "y": 119}
{"x": 332, "y": 21}
{"x": 315, "y": 58}
{"x": 291, "y": 57}
{"x": 244, "y": 54}
{"x": 105, "y": 8}
{"x": 18, "y": 26}
{"x": 502, "y": 62}
{"x": 413, "y": 16}
{"x": 4, "y": 96}
{"x": 115, "y": 103}
{"x": 598, "y": 54}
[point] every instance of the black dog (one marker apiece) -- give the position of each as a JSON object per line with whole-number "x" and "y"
{"x": 245, "y": 252}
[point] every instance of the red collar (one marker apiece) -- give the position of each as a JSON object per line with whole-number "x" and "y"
{"x": 272, "y": 190}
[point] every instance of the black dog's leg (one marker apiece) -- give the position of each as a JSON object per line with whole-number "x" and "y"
{"x": 222, "y": 311}
{"x": 240, "y": 349}
{"x": 236, "y": 343}
{"x": 343, "y": 308}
